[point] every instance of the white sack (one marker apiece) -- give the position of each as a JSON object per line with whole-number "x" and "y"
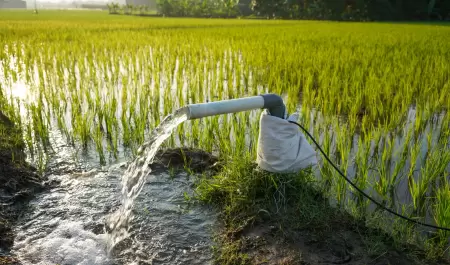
{"x": 282, "y": 147}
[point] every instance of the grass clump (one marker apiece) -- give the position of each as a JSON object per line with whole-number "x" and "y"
{"x": 246, "y": 192}
{"x": 247, "y": 196}
{"x": 288, "y": 216}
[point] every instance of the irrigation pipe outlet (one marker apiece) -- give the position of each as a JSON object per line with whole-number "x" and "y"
{"x": 275, "y": 106}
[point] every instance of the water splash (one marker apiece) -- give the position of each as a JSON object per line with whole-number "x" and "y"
{"x": 66, "y": 225}
{"x": 67, "y": 243}
{"x": 134, "y": 178}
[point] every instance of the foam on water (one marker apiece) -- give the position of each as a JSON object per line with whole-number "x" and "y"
{"x": 69, "y": 243}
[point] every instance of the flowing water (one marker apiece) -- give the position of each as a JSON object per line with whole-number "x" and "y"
{"x": 135, "y": 176}
{"x": 94, "y": 215}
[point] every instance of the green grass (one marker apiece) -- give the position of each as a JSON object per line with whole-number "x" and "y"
{"x": 295, "y": 209}
{"x": 106, "y": 81}
{"x": 11, "y": 139}
{"x": 247, "y": 195}
{"x": 246, "y": 192}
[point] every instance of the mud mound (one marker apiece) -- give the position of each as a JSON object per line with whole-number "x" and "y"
{"x": 196, "y": 160}
{"x": 264, "y": 245}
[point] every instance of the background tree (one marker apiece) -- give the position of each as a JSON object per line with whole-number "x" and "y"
{"x": 267, "y": 8}
{"x": 128, "y": 9}
{"x": 113, "y": 8}
{"x": 165, "y": 7}
{"x": 354, "y": 10}
{"x": 230, "y": 7}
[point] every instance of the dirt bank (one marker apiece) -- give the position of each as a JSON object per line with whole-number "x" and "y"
{"x": 286, "y": 219}
{"x": 18, "y": 183}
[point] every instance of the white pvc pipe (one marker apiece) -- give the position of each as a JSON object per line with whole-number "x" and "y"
{"x": 201, "y": 110}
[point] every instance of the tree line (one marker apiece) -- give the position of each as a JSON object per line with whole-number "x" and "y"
{"x": 353, "y": 10}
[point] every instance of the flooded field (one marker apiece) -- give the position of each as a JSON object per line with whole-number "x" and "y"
{"x": 88, "y": 91}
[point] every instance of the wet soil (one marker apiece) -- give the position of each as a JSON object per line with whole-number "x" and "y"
{"x": 265, "y": 243}
{"x": 344, "y": 240}
{"x": 18, "y": 183}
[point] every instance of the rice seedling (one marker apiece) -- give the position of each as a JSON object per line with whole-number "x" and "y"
{"x": 442, "y": 213}
{"x": 434, "y": 167}
{"x": 368, "y": 92}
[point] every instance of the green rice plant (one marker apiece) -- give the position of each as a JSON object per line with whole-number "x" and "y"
{"x": 40, "y": 126}
{"x": 41, "y": 161}
{"x": 110, "y": 80}
{"x": 327, "y": 172}
{"x": 432, "y": 170}
{"x": 343, "y": 141}
{"x": 414, "y": 150}
{"x": 444, "y": 131}
{"x": 383, "y": 166}
{"x": 362, "y": 173}
{"x": 441, "y": 209}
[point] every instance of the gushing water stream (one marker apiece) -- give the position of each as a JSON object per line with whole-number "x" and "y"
{"x": 134, "y": 178}
{"x": 76, "y": 222}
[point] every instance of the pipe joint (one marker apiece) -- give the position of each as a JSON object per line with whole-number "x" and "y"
{"x": 275, "y": 105}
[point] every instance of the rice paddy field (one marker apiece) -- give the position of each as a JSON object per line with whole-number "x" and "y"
{"x": 375, "y": 95}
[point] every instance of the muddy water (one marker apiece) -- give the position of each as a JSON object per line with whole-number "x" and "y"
{"x": 66, "y": 225}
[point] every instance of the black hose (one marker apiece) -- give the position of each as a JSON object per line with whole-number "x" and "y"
{"x": 361, "y": 191}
